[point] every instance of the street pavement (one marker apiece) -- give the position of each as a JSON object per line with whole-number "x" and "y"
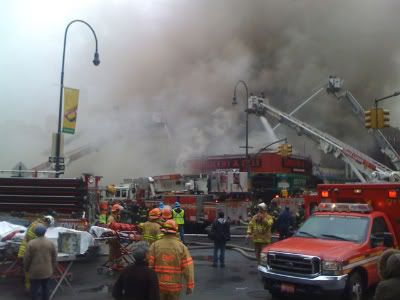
{"x": 238, "y": 280}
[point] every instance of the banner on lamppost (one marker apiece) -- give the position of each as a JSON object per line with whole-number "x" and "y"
{"x": 71, "y": 99}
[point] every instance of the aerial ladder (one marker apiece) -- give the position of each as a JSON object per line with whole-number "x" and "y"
{"x": 364, "y": 167}
{"x": 334, "y": 87}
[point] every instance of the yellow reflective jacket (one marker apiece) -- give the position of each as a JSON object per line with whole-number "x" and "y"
{"x": 260, "y": 228}
{"x": 151, "y": 231}
{"x": 179, "y": 217}
{"x": 171, "y": 260}
{"x": 29, "y": 235}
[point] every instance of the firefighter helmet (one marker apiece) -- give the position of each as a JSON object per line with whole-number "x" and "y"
{"x": 155, "y": 214}
{"x": 262, "y": 206}
{"x": 116, "y": 207}
{"x": 49, "y": 220}
{"x": 170, "y": 227}
{"x": 166, "y": 213}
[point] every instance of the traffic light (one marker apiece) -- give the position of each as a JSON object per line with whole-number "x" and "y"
{"x": 371, "y": 118}
{"x": 383, "y": 118}
{"x": 289, "y": 149}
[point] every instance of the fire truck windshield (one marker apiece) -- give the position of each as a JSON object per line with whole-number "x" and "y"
{"x": 334, "y": 227}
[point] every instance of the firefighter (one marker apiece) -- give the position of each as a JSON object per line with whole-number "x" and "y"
{"x": 166, "y": 214}
{"x": 103, "y": 217}
{"x": 178, "y": 215}
{"x": 115, "y": 214}
{"x": 259, "y": 229}
{"x": 30, "y": 234}
{"x": 143, "y": 212}
{"x": 172, "y": 261}
{"x": 151, "y": 230}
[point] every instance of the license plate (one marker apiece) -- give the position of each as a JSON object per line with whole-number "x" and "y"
{"x": 287, "y": 288}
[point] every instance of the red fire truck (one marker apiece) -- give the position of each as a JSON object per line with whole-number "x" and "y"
{"x": 337, "y": 248}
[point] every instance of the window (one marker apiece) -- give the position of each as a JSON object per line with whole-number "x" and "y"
{"x": 379, "y": 227}
{"x": 123, "y": 193}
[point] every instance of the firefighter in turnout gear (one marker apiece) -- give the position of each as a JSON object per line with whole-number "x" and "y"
{"x": 151, "y": 230}
{"x": 259, "y": 229}
{"x": 166, "y": 214}
{"x": 30, "y": 234}
{"x": 143, "y": 212}
{"x": 178, "y": 215}
{"x": 171, "y": 260}
{"x": 115, "y": 214}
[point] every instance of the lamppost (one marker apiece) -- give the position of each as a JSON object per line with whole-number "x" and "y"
{"x": 96, "y": 62}
{"x": 234, "y": 102}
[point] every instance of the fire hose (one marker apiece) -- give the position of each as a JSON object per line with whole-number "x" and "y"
{"x": 240, "y": 249}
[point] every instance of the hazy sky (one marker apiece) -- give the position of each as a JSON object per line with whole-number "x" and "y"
{"x": 181, "y": 59}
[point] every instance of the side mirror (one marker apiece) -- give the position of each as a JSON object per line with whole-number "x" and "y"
{"x": 388, "y": 240}
{"x": 375, "y": 241}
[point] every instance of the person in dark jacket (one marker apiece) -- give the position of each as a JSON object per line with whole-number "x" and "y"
{"x": 137, "y": 281}
{"x": 285, "y": 222}
{"x": 389, "y": 271}
{"x": 220, "y": 233}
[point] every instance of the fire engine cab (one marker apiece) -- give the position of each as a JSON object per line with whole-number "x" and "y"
{"x": 337, "y": 248}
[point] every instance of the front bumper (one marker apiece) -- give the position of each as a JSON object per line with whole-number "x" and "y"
{"x": 320, "y": 285}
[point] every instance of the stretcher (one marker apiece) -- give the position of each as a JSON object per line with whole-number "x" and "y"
{"x": 121, "y": 245}
{"x": 62, "y": 273}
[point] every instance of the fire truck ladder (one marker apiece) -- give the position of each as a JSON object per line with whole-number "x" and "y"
{"x": 335, "y": 85}
{"x": 366, "y": 168}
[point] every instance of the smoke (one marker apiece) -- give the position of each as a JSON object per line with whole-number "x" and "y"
{"x": 182, "y": 59}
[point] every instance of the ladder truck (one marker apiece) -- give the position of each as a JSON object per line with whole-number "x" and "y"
{"x": 366, "y": 168}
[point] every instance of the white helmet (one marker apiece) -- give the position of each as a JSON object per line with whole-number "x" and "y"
{"x": 49, "y": 219}
{"x": 262, "y": 206}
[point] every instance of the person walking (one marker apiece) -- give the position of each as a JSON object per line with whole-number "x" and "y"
{"x": 220, "y": 232}
{"x": 39, "y": 261}
{"x": 151, "y": 230}
{"x": 178, "y": 215}
{"x": 389, "y": 272}
{"x": 137, "y": 281}
{"x": 172, "y": 261}
{"x": 285, "y": 223}
{"x": 30, "y": 234}
{"x": 259, "y": 229}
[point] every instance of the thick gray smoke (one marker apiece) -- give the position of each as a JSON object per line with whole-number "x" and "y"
{"x": 164, "y": 87}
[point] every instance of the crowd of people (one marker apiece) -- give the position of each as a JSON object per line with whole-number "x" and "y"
{"x": 163, "y": 265}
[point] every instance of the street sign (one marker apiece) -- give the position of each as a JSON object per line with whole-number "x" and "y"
{"x": 53, "y": 160}
{"x": 61, "y": 167}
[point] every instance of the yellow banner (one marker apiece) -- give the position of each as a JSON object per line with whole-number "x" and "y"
{"x": 71, "y": 99}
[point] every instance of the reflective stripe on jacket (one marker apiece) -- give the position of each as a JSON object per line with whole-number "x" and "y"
{"x": 260, "y": 228}
{"x": 171, "y": 260}
{"x": 29, "y": 235}
{"x": 151, "y": 231}
{"x": 179, "y": 217}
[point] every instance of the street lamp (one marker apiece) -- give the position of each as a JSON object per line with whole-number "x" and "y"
{"x": 234, "y": 102}
{"x": 96, "y": 62}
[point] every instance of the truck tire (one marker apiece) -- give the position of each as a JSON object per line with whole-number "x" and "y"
{"x": 355, "y": 289}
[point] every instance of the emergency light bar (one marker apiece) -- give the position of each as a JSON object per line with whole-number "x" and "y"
{"x": 345, "y": 207}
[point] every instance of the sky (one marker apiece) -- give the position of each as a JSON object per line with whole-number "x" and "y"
{"x": 163, "y": 90}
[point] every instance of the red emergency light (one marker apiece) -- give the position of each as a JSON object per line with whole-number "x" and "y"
{"x": 325, "y": 194}
{"x": 392, "y": 194}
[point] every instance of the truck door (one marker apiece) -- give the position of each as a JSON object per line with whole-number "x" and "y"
{"x": 379, "y": 227}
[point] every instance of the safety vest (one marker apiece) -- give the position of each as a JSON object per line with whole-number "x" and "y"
{"x": 103, "y": 219}
{"x": 179, "y": 217}
{"x": 260, "y": 231}
{"x": 151, "y": 232}
{"x": 172, "y": 262}
{"x": 29, "y": 235}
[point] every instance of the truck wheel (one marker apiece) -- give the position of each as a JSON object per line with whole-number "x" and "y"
{"x": 355, "y": 289}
